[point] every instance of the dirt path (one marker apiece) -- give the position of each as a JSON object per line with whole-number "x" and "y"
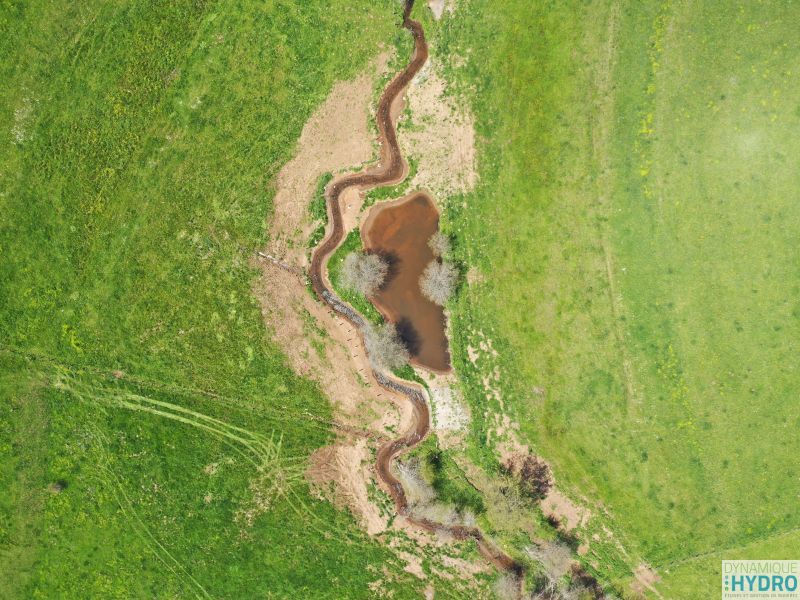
{"x": 391, "y": 169}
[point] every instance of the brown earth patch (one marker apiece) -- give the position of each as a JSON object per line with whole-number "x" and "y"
{"x": 339, "y": 473}
{"x": 556, "y": 505}
{"x": 569, "y": 514}
{"x": 440, "y": 136}
{"x": 413, "y": 563}
{"x": 314, "y": 340}
{"x": 645, "y": 579}
{"x": 437, "y": 8}
{"x": 475, "y": 277}
{"x": 336, "y": 137}
{"x": 451, "y": 415}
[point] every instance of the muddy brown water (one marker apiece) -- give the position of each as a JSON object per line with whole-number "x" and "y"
{"x": 399, "y": 231}
{"x": 392, "y": 169}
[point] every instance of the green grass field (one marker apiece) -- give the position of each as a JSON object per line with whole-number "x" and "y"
{"x": 153, "y": 441}
{"x": 636, "y": 225}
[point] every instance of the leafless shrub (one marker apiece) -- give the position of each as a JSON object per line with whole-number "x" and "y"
{"x": 444, "y": 535}
{"x": 533, "y": 475}
{"x": 577, "y": 585}
{"x": 425, "y": 502}
{"x": 506, "y": 588}
{"x": 439, "y": 244}
{"x": 577, "y": 592}
{"x": 364, "y": 273}
{"x": 438, "y": 281}
{"x": 439, "y": 512}
{"x": 418, "y": 491}
{"x": 585, "y": 586}
{"x": 547, "y": 591}
{"x": 555, "y": 558}
{"x": 384, "y": 347}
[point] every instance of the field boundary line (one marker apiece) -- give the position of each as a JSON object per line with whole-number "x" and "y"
{"x": 755, "y": 540}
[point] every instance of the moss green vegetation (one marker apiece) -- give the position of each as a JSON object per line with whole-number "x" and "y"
{"x": 153, "y": 441}
{"x": 392, "y": 191}
{"x": 319, "y": 210}
{"x": 447, "y": 478}
{"x": 636, "y": 226}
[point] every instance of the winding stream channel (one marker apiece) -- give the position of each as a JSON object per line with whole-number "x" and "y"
{"x": 392, "y": 169}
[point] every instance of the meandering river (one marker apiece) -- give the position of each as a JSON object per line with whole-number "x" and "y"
{"x": 392, "y": 169}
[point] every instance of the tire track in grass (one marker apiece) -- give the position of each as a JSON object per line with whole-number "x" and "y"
{"x": 262, "y": 452}
{"x": 113, "y": 483}
{"x": 282, "y": 414}
{"x": 281, "y": 474}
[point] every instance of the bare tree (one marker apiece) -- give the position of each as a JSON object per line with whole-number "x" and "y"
{"x": 578, "y": 592}
{"x": 384, "y": 347}
{"x": 364, "y": 273}
{"x": 438, "y": 282}
{"x": 506, "y": 587}
{"x": 533, "y": 475}
{"x": 547, "y": 590}
{"x": 439, "y": 243}
{"x": 555, "y": 557}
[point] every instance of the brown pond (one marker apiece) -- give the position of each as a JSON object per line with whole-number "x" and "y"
{"x": 400, "y": 230}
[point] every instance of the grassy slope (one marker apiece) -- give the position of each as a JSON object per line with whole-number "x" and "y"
{"x": 133, "y": 196}
{"x": 639, "y": 181}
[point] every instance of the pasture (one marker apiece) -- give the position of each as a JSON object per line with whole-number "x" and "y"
{"x": 633, "y": 247}
{"x": 153, "y": 440}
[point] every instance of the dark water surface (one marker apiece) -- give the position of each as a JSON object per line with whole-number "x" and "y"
{"x": 400, "y": 230}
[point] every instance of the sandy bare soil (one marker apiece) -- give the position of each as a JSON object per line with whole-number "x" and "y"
{"x": 438, "y": 7}
{"x": 312, "y": 337}
{"x": 441, "y": 137}
{"x": 449, "y": 411}
{"x": 348, "y": 467}
{"x": 322, "y": 149}
{"x": 645, "y": 579}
